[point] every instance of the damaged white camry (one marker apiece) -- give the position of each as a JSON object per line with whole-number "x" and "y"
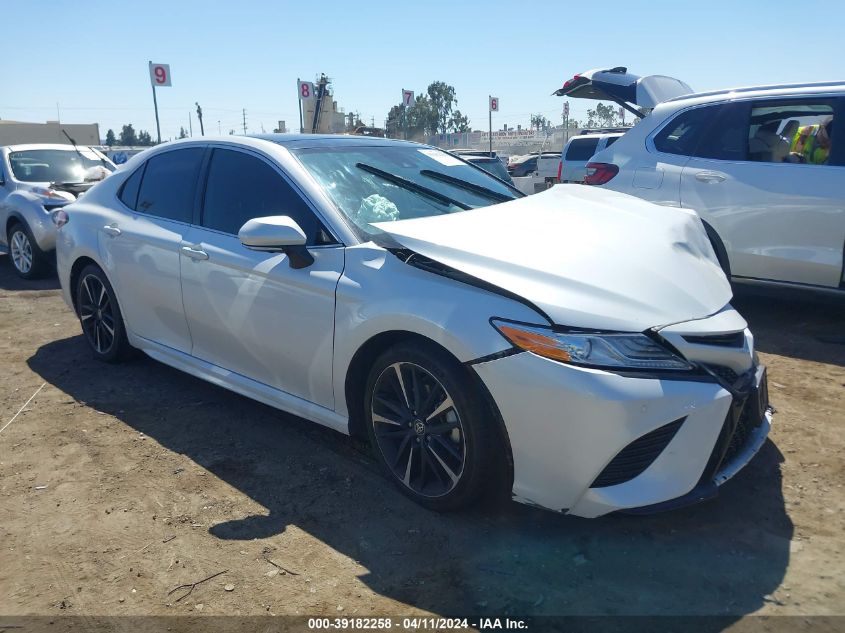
{"x": 577, "y": 346}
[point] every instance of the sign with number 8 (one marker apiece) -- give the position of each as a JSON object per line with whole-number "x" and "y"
{"x": 160, "y": 75}
{"x": 306, "y": 90}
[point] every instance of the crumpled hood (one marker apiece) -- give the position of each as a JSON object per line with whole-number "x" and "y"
{"x": 588, "y": 257}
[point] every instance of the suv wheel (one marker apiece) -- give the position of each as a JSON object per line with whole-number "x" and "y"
{"x": 28, "y": 260}
{"x": 428, "y": 428}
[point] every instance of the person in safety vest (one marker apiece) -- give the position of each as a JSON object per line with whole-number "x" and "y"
{"x": 811, "y": 143}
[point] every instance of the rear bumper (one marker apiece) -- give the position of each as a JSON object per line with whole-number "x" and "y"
{"x": 567, "y": 424}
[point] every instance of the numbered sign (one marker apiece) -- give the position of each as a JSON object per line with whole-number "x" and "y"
{"x": 408, "y": 98}
{"x": 566, "y": 109}
{"x": 494, "y": 104}
{"x": 306, "y": 90}
{"x": 160, "y": 75}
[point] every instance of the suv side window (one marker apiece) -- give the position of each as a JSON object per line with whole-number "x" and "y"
{"x": 129, "y": 191}
{"x": 683, "y": 133}
{"x": 581, "y": 149}
{"x": 241, "y": 187}
{"x": 794, "y": 131}
{"x": 727, "y": 138}
{"x": 169, "y": 183}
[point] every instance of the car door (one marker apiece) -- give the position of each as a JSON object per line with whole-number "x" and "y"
{"x": 140, "y": 245}
{"x": 251, "y": 312}
{"x": 779, "y": 220}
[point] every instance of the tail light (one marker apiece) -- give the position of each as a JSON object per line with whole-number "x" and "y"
{"x": 600, "y": 173}
{"x": 559, "y": 170}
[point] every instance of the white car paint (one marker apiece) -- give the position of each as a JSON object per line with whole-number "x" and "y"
{"x": 584, "y": 257}
{"x": 780, "y": 223}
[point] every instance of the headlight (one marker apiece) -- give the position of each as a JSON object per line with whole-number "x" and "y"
{"x": 614, "y": 351}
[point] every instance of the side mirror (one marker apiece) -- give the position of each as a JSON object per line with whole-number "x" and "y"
{"x": 274, "y": 234}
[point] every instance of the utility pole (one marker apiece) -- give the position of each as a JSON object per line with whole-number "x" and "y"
{"x": 244, "y": 120}
{"x": 219, "y": 130}
{"x": 190, "y": 124}
{"x": 199, "y": 116}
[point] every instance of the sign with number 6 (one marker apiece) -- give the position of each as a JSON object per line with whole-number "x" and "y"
{"x": 160, "y": 75}
{"x": 408, "y": 98}
{"x": 494, "y": 104}
{"x": 306, "y": 90}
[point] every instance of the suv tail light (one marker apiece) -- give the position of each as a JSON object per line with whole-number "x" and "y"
{"x": 559, "y": 170}
{"x": 600, "y": 173}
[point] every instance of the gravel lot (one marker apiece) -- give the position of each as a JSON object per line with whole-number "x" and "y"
{"x": 118, "y": 483}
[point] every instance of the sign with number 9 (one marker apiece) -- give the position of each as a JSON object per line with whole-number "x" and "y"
{"x": 160, "y": 75}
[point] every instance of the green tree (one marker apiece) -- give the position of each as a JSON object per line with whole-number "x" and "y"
{"x": 110, "y": 138}
{"x": 182, "y": 132}
{"x": 441, "y": 97}
{"x": 603, "y": 116}
{"x": 144, "y": 138}
{"x": 459, "y": 122}
{"x": 539, "y": 122}
{"x": 128, "y": 136}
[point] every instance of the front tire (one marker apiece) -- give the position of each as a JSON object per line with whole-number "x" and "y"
{"x": 100, "y": 316}
{"x": 428, "y": 426}
{"x": 28, "y": 260}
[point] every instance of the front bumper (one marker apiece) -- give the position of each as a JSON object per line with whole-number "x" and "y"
{"x": 567, "y": 424}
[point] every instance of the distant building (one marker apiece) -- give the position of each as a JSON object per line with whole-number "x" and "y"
{"x": 19, "y": 132}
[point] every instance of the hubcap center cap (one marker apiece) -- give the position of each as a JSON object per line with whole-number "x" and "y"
{"x": 419, "y": 427}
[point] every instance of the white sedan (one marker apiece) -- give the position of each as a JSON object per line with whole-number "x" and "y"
{"x": 577, "y": 346}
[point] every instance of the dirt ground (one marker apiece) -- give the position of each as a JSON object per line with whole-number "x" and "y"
{"x": 119, "y": 483}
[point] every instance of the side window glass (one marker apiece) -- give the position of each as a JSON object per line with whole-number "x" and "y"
{"x": 727, "y": 138}
{"x": 682, "y": 134}
{"x": 796, "y": 132}
{"x": 129, "y": 191}
{"x": 169, "y": 183}
{"x": 241, "y": 187}
{"x": 582, "y": 149}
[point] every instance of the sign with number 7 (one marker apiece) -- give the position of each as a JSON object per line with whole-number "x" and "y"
{"x": 408, "y": 98}
{"x": 160, "y": 75}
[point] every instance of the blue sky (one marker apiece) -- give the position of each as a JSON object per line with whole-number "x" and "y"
{"x": 248, "y": 54}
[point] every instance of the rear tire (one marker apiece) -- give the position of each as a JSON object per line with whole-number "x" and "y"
{"x": 100, "y": 316}
{"x": 429, "y": 427}
{"x": 28, "y": 260}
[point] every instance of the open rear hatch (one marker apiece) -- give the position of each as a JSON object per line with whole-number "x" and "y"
{"x": 626, "y": 89}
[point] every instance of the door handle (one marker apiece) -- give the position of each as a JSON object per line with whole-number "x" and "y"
{"x": 709, "y": 176}
{"x": 194, "y": 252}
{"x": 111, "y": 230}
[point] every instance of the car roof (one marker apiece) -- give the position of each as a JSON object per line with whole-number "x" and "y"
{"x": 599, "y": 135}
{"x": 328, "y": 140}
{"x": 772, "y": 90}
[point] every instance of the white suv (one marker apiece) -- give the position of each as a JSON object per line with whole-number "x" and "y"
{"x": 764, "y": 167}
{"x": 577, "y": 153}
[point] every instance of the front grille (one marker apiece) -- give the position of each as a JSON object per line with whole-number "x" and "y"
{"x": 734, "y": 339}
{"x": 744, "y": 427}
{"x": 632, "y": 460}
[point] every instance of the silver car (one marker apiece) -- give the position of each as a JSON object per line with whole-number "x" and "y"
{"x": 35, "y": 180}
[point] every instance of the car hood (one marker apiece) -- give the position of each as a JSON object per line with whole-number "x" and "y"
{"x": 587, "y": 257}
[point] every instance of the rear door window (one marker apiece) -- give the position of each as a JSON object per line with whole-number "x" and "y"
{"x": 727, "y": 138}
{"x": 169, "y": 184}
{"x": 242, "y": 187}
{"x": 581, "y": 149}
{"x": 682, "y": 134}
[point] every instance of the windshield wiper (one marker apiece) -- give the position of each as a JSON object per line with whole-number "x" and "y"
{"x": 467, "y": 186}
{"x": 410, "y": 185}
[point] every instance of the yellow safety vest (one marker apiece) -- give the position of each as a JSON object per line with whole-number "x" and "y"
{"x": 805, "y": 142}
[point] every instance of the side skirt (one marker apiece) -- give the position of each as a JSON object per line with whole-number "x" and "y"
{"x": 240, "y": 384}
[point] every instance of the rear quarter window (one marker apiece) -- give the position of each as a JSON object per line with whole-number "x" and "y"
{"x": 581, "y": 149}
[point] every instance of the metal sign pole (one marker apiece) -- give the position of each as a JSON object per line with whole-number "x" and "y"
{"x": 155, "y": 106}
{"x": 301, "y": 124}
{"x": 490, "y": 123}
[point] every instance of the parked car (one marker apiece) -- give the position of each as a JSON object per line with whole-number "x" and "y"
{"x": 492, "y": 166}
{"x": 763, "y": 166}
{"x": 35, "y": 180}
{"x": 577, "y": 153}
{"x": 385, "y": 289}
{"x": 526, "y": 165}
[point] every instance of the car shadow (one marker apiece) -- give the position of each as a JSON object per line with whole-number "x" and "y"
{"x": 795, "y": 324}
{"x": 9, "y": 279}
{"x": 721, "y": 557}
